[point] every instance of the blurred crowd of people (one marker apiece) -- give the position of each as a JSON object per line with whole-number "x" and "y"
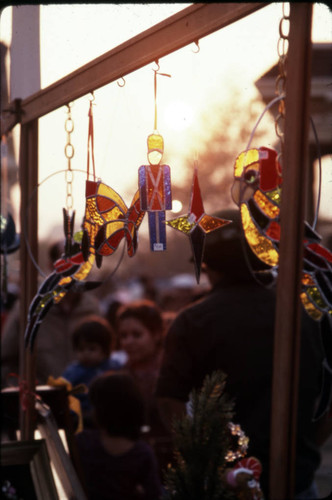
{"x": 140, "y": 350}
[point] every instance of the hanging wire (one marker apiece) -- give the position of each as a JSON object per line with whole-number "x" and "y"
{"x": 269, "y": 105}
{"x": 319, "y": 173}
{"x": 91, "y": 140}
{"x": 157, "y": 72}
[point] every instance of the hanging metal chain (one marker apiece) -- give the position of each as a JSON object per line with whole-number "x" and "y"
{"x": 69, "y": 152}
{"x": 282, "y": 77}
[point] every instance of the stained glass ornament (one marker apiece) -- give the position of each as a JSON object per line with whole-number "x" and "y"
{"x": 257, "y": 190}
{"x": 196, "y": 224}
{"x": 154, "y": 182}
{"x": 69, "y": 272}
{"x": 119, "y": 221}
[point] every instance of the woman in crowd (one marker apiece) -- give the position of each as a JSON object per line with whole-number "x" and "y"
{"x": 140, "y": 328}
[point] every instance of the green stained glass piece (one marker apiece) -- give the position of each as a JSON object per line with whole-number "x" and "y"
{"x": 78, "y": 236}
{"x": 275, "y": 195}
{"x": 315, "y": 295}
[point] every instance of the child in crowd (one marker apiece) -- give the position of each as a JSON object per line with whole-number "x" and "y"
{"x": 93, "y": 340}
{"x": 116, "y": 464}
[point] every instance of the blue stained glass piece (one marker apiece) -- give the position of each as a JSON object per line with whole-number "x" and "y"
{"x": 142, "y": 187}
{"x": 157, "y": 230}
{"x": 167, "y": 188}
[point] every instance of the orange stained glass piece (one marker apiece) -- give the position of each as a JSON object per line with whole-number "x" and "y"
{"x": 307, "y": 280}
{"x": 59, "y": 297}
{"x": 259, "y": 244}
{"x": 181, "y": 224}
{"x": 315, "y": 313}
{"x": 104, "y": 204}
{"x": 209, "y": 223}
{"x": 244, "y": 159}
{"x": 267, "y": 207}
{"x": 131, "y": 247}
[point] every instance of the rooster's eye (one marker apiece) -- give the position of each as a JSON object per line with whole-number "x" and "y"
{"x": 250, "y": 176}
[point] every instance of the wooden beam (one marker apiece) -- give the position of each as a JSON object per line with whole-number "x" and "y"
{"x": 175, "y": 32}
{"x": 287, "y": 326}
{"x": 28, "y": 272}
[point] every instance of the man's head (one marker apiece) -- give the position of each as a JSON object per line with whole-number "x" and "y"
{"x": 227, "y": 252}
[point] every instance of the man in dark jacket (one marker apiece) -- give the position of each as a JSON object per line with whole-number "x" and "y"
{"x": 232, "y": 330}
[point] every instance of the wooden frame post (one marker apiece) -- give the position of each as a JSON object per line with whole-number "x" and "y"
{"x": 287, "y": 326}
{"x": 28, "y": 272}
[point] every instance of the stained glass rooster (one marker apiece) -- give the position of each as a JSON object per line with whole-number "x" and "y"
{"x": 257, "y": 191}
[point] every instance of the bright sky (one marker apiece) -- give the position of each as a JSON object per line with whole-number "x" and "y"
{"x": 72, "y": 35}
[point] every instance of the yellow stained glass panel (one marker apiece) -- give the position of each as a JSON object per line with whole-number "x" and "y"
{"x": 182, "y": 224}
{"x": 91, "y": 211}
{"x": 259, "y": 244}
{"x": 315, "y": 313}
{"x": 85, "y": 268}
{"x": 272, "y": 211}
{"x": 244, "y": 159}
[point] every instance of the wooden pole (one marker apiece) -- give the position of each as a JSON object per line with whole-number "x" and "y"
{"x": 28, "y": 272}
{"x": 287, "y": 326}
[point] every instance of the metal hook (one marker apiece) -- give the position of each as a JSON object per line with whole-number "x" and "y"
{"x": 158, "y": 66}
{"x": 123, "y": 82}
{"x": 197, "y": 47}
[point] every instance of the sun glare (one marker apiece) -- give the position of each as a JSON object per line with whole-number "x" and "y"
{"x": 176, "y": 206}
{"x": 178, "y": 115}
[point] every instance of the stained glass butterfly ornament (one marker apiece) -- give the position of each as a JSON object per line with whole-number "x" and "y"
{"x": 107, "y": 221}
